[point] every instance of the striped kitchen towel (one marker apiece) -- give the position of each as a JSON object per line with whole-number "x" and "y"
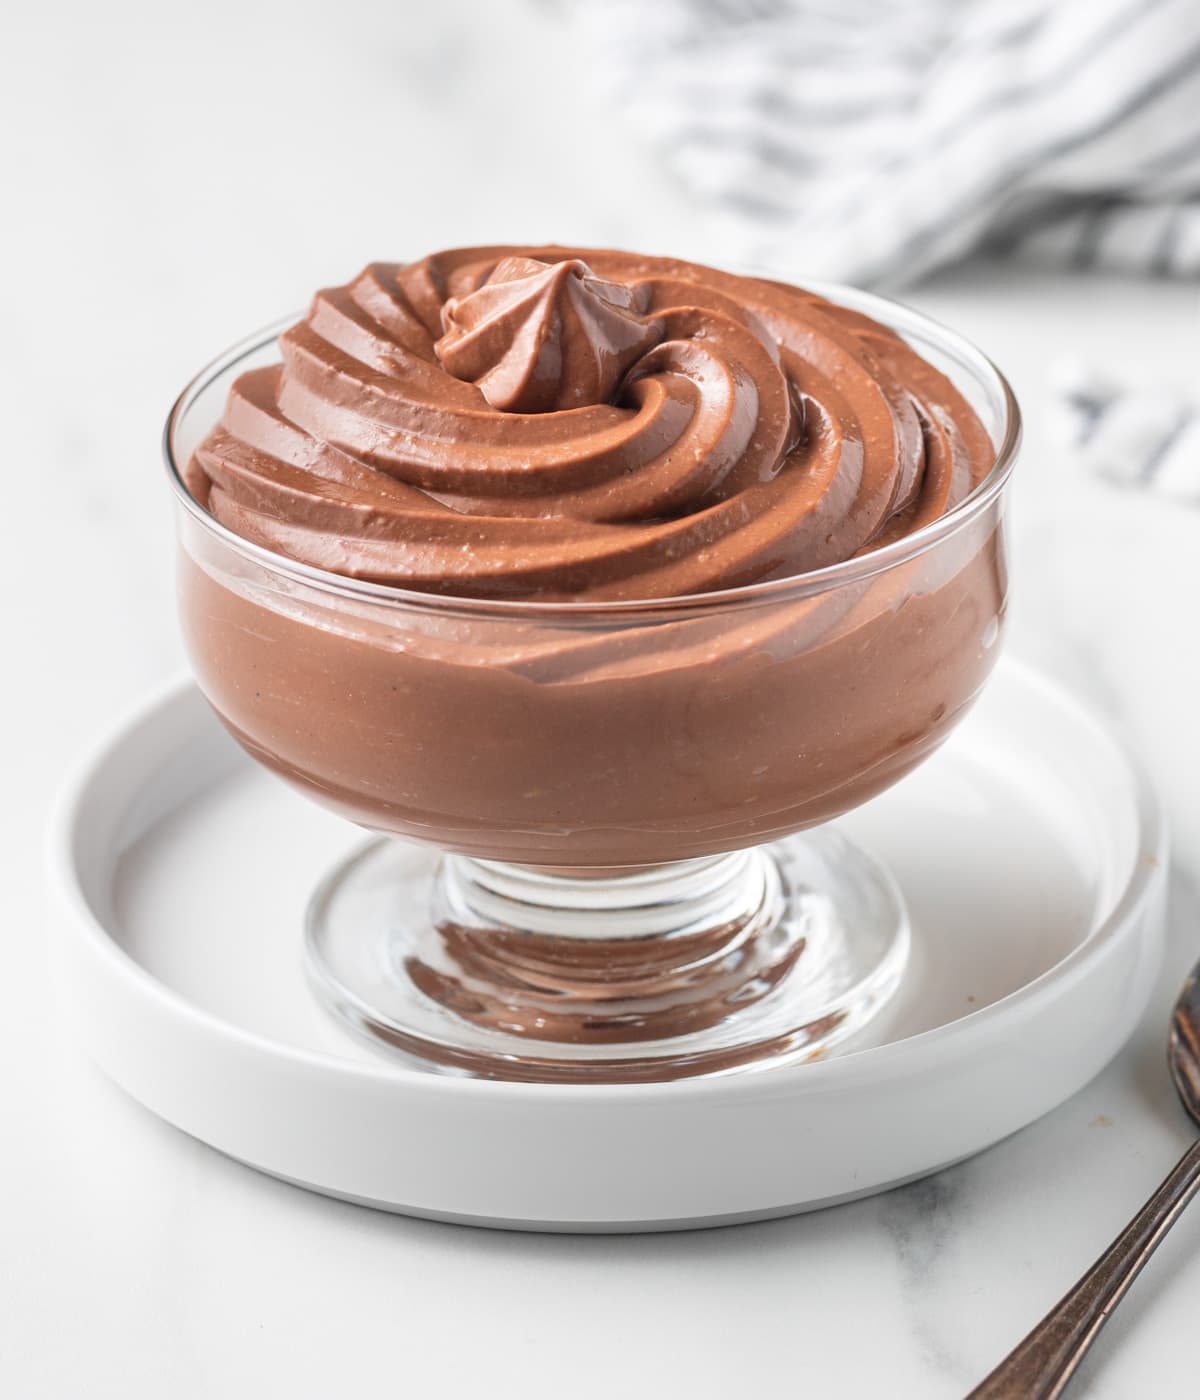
{"x": 1139, "y": 437}
{"x": 873, "y": 140}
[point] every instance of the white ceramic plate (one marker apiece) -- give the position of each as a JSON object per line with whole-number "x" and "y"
{"x": 1030, "y": 850}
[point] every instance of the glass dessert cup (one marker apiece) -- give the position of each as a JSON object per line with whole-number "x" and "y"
{"x": 638, "y": 880}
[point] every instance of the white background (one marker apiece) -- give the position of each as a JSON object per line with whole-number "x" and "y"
{"x": 172, "y": 177}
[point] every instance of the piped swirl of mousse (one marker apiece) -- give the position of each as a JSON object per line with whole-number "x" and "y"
{"x": 577, "y": 424}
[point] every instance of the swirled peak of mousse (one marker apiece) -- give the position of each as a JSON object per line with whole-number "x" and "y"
{"x": 537, "y": 337}
{"x": 583, "y": 424}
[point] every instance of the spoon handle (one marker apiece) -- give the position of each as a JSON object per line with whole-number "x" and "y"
{"x": 1040, "y": 1366}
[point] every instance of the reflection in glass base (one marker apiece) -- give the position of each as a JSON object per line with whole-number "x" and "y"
{"x": 704, "y": 967}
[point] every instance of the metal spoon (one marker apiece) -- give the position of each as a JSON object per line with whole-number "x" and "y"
{"x": 1040, "y": 1367}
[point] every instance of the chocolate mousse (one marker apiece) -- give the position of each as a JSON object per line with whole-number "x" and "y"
{"x": 492, "y": 427}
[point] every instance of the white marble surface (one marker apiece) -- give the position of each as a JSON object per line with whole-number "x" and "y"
{"x": 173, "y": 177}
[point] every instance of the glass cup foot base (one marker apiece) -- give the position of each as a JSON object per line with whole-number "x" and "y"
{"x": 705, "y": 967}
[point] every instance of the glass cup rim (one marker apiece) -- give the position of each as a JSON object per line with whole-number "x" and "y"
{"x": 792, "y": 588}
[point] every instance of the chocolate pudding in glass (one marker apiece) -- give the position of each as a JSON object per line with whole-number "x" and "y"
{"x": 617, "y": 579}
